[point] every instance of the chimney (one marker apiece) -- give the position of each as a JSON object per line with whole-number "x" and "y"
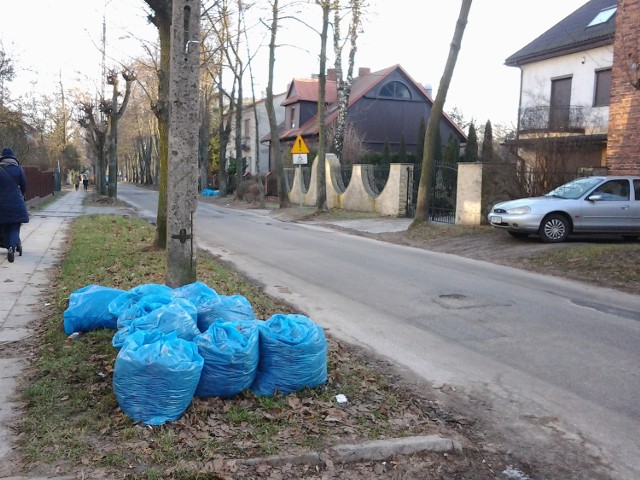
{"x": 363, "y": 71}
{"x": 331, "y": 74}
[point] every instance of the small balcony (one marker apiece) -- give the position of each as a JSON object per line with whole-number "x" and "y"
{"x": 556, "y": 119}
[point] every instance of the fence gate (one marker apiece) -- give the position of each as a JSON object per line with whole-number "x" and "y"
{"x": 442, "y": 198}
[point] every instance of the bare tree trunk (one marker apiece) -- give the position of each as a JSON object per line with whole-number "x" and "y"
{"x": 321, "y": 203}
{"x": 114, "y": 113}
{"x": 274, "y": 144}
{"x": 344, "y": 85}
{"x": 424, "y": 187}
{"x": 184, "y": 97}
{"x": 162, "y": 20}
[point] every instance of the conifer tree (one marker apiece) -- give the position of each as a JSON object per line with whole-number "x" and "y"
{"x": 471, "y": 149}
{"x": 486, "y": 154}
{"x": 402, "y": 152}
{"x": 386, "y": 153}
{"x": 422, "y": 129}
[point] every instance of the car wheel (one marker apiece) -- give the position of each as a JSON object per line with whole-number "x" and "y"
{"x": 554, "y": 228}
{"x": 519, "y": 234}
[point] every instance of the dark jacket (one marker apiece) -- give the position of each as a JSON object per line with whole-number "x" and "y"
{"x": 13, "y": 185}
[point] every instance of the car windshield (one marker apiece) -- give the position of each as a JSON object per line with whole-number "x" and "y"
{"x": 574, "y": 189}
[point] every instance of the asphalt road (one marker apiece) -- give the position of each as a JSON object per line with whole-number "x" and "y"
{"x": 555, "y": 357}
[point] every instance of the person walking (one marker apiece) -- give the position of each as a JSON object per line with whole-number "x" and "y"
{"x": 13, "y": 209}
{"x": 76, "y": 181}
{"x": 85, "y": 181}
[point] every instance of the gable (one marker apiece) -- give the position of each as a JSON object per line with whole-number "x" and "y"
{"x": 577, "y": 32}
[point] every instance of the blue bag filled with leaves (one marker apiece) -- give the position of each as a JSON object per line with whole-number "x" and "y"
{"x": 230, "y": 308}
{"x": 155, "y": 376}
{"x": 148, "y": 296}
{"x": 230, "y": 352}
{"x": 88, "y": 309}
{"x": 177, "y": 316}
{"x": 293, "y": 355}
{"x": 196, "y": 292}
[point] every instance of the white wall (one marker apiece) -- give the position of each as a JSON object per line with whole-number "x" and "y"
{"x": 254, "y": 165}
{"x": 536, "y": 81}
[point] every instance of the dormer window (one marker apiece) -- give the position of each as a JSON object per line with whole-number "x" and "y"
{"x": 395, "y": 89}
{"x": 603, "y": 16}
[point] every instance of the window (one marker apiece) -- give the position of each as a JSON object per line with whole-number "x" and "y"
{"x": 614, "y": 191}
{"x": 603, "y": 88}
{"x": 292, "y": 124}
{"x": 395, "y": 89}
{"x": 603, "y": 16}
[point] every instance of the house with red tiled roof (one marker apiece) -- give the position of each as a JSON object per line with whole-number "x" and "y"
{"x": 386, "y": 106}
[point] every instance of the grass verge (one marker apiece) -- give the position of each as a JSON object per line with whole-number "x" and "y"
{"x": 73, "y": 423}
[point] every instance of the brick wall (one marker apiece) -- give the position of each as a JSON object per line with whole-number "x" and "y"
{"x": 623, "y": 146}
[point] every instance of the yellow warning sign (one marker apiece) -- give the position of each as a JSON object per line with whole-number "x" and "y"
{"x": 299, "y": 146}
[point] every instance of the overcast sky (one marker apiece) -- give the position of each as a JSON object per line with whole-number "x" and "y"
{"x": 49, "y": 40}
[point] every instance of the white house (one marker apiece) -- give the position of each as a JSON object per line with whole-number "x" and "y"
{"x": 565, "y": 89}
{"x": 255, "y": 153}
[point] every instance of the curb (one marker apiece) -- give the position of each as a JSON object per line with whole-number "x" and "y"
{"x": 376, "y": 450}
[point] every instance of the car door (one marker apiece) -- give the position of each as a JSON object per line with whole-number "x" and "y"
{"x": 634, "y": 210}
{"x": 607, "y": 208}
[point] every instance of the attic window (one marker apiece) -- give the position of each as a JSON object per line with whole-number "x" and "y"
{"x": 603, "y": 16}
{"x": 395, "y": 89}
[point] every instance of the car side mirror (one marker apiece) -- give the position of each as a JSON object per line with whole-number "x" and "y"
{"x": 595, "y": 197}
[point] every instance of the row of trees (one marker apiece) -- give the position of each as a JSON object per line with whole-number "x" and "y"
{"x": 73, "y": 130}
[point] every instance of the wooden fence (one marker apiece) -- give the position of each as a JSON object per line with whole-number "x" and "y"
{"x": 39, "y": 184}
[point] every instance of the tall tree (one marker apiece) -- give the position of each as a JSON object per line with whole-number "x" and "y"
{"x": 471, "y": 149}
{"x": 343, "y": 86}
{"x": 321, "y": 201}
{"x": 274, "y": 145}
{"x": 114, "y": 113}
{"x": 422, "y": 207}
{"x": 96, "y": 136}
{"x": 161, "y": 18}
{"x": 486, "y": 154}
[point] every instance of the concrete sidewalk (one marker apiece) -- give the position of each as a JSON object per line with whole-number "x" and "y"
{"x": 22, "y": 284}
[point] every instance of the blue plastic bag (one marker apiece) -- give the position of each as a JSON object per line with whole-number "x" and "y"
{"x": 230, "y": 352}
{"x": 149, "y": 296}
{"x": 293, "y": 355}
{"x": 88, "y": 309}
{"x": 197, "y": 293}
{"x": 177, "y": 316}
{"x": 155, "y": 376}
{"x": 230, "y": 308}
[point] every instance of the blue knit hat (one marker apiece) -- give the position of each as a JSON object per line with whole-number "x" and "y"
{"x": 7, "y": 153}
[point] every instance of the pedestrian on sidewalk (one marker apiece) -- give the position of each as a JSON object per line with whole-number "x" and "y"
{"x": 13, "y": 209}
{"x": 76, "y": 181}
{"x": 85, "y": 181}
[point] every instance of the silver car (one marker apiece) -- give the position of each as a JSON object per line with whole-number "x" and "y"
{"x": 605, "y": 204}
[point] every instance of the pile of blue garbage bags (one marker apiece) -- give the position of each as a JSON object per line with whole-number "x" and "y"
{"x": 177, "y": 343}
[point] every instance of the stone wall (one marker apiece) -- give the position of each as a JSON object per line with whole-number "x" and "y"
{"x": 358, "y": 196}
{"x": 480, "y": 185}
